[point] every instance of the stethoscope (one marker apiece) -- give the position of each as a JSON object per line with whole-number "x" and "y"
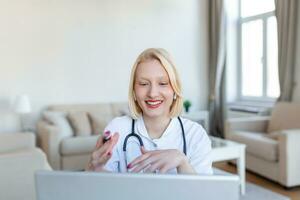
{"x": 133, "y": 134}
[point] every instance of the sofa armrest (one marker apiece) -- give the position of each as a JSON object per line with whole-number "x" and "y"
{"x": 49, "y": 140}
{"x": 17, "y": 170}
{"x": 251, "y": 124}
{"x": 15, "y": 141}
{"x": 289, "y": 159}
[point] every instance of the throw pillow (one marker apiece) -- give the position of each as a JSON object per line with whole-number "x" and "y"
{"x": 285, "y": 115}
{"x": 124, "y": 111}
{"x": 59, "y": 120}
{"x": 80, "y": 123}
{"x": 99, "y": 121}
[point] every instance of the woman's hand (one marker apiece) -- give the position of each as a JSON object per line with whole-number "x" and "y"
{"x": 102, "y": 153}
{"x": 161, "y": 160}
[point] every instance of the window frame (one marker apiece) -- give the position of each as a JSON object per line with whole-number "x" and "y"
{"x": 241, "y": 20}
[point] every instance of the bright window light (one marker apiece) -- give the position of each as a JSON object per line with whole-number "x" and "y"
{"x": 258, "y": 74}
{"x": 272, "y": 66}
{"x": 252, "y": 52}
{"x": 256, "y": 7}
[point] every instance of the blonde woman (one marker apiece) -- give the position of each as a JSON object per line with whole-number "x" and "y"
{"x": 154, "y": 139}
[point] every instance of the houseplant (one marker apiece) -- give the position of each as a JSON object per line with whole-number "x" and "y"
{"x": 187, "y": 104}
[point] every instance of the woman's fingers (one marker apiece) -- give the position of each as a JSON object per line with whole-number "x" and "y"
{"x": 99, "y": 152}
{"x": 99, "y": 142}
{"x": 102, "y": 155}
{"x": 101, "y": 160}
{"x": 106, "y": 147}
{"x": 146, "y": 160}
{"x": 112, "y": 142}
{"x": 143, "y": 150}
{"x": 104, "y": 152}
{"x": 154, "y": 167}
{"x": 143, "y": 164}
{"x": 162, "y": 160}
{"x": 138, "y": 160}
{"x": 101, "y": 139}
{"x": 165, "y": 168}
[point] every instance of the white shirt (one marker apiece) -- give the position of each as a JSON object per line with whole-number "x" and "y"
{"x": 197, "y": 142}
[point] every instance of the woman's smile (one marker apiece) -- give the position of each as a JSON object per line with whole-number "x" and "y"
{"x": 152, "y": 104}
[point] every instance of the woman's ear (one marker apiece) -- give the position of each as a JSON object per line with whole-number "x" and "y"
{"x": 134, "y": 97}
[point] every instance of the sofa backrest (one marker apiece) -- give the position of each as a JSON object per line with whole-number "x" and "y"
{"x": 16, "y": 141}
{"x": 104, "y": 108}
{"x": 284, "y": 116}
{"x": 9, "y": 122}
{"x": 100, "y": 115}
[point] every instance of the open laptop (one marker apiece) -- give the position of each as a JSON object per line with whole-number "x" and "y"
{"x": 62, "y": 185}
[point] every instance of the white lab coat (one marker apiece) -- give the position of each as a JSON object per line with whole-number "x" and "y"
{"x": 197, "y": 141}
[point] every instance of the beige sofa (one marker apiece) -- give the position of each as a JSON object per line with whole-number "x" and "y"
{"x": 19, "y": 159}
{"x": 68, "y": 133}
{"x": 272, "y": 143}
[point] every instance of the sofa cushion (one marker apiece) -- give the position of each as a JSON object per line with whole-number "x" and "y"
{"x": 285, "y": 116}
{"x": 80, "y": 123}
{"x": 99, "y": 121}
{"x": 59, "y": 119}
{"x": 78, "y": 145}
{"x": 120, "y": 109}
{"x": 257, "y": 144}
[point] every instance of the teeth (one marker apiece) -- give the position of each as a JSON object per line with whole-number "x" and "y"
{"x": 153, "y": 103}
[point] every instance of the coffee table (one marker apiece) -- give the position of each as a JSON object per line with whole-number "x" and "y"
{"x": 223, "y": 150}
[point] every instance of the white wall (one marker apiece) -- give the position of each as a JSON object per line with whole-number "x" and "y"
{"x": 60, "y": 51}
{"x": 296, "y": 96}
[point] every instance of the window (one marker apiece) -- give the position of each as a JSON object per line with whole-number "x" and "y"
{"x": 258, "y": 72}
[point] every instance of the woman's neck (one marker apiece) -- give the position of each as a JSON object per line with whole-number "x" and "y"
{"x": 156, "y": 126}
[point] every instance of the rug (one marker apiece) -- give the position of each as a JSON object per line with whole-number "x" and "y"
{"x": 255, "y": 192}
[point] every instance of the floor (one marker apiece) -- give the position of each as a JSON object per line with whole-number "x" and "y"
{"x": 293, "y": 193}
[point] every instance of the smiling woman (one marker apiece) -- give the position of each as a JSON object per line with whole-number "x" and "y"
{"x": 154, "y": 138}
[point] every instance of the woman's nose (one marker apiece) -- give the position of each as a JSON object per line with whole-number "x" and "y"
{"x": 153, "y": 91}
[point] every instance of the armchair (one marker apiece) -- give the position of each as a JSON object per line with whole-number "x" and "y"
{"x": 272, "y": 143}
{"x": 19, "y": 159}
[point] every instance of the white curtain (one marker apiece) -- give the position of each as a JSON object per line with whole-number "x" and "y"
{"x": 286, "y": 14}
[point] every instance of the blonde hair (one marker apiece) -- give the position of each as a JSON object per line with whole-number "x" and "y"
{"x": 165, "y": 60}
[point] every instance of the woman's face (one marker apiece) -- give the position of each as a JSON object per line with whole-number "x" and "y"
{"x": 153, "y": 90}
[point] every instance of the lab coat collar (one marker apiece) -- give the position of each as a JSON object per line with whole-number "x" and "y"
{"x": 142, "y": 131}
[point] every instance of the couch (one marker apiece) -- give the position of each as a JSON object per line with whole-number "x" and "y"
{"x": 68, "y": 133}
{"x": 272, "y": 143}
{"x": 19, "y": 159}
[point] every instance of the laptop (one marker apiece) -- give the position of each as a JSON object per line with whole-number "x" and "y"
{"x": 62, "y": 185}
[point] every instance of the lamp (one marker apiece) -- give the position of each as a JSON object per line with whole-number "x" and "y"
{"x": 22, "y": 106}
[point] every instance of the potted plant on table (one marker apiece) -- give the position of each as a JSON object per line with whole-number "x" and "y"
{"x": 187, "y": 104}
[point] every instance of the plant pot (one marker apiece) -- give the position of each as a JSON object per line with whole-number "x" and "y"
{"x": 186, "y": 109}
